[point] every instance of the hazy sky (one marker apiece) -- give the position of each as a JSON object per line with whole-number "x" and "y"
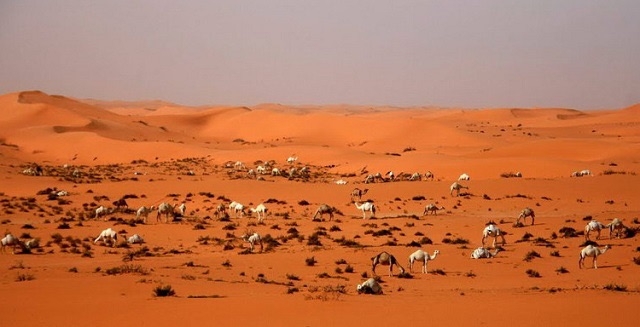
{"x": 531, "y": 53}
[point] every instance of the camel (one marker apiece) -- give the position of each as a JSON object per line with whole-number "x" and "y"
{"x": 358, "y": 193}
{"x": 591, "y": 251}
{"x": 423, "y": 256}
{"x": 616, "y": 226}
{"x": 456, "y": 187}
{"x": 370, "y": 286}
{"x": 10, "y": 240}
{"x": 385, "y": 259}
{"x": 165, "y": 209}
{"x": 492, "y": 231}
{"x": 144, "y": 212}
{"x": 238, "y": 208}
{"x": 261, "y": 211}
{"x": 429, "y": 175}
{"x": 182, "y": 208}
{"x": 367, "y": 206}
{"x": 431, "y": 208}
{"x": 481, "y": 253}
{"x": 120, "y": 204}
{"x": 134, "y": 239}
{"x": 291, "y": 160}
{"x": 253, "y": 239}
{"x": 322, "y": 209}
{"x": 391, "y": 175}
{"x": 220, "y": 210}
{"x": 526, "y": 212}
{"x": 103, "y": 211}
{"x": 464, "y": 177}
{"x": 107, "y": 235}
{"x": 593, "y": 225}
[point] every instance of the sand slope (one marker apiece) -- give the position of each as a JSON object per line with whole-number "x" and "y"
{"x": 159, "y": 152}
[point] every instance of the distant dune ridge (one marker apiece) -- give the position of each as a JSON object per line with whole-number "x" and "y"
{"x": 55, "y": 128}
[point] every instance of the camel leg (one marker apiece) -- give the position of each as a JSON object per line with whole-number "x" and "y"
{"x": 595, "y": 262}
{"x": 261, "y": 247}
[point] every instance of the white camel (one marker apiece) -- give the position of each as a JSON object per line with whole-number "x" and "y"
{"x": 275, "y": 172}
{"x": 526, "y": 212}
{"x": 391, "y": 175}
{"x": 135, "y": 239}
{"x": 220, "y": 211}
{"x": 385, "y": 259}
{"x": 593, "y": 225}
{"x": 10, "y": 240}
{"x": 415, "y": 177}
{"x": 165, "y": 209}
{"x": 182, "y": 208}
{"x": 429, "y": 175}
{"x": 261, "y": 170}
{"x": 322, "y": 210}
{"x": 237, "y": 208}
{"x": 464, "y": 177}
{"x": 591, "y": 251}
{"x": 367, "y": 206}
{"x": 370, "y": 286}
{"x": 107, "y": 235}
{"x": 492, "y": 231}
{"x": 616, "y": 226}
{"x": 423, "y": 256}
{"x": 253, "y": 239}
{"x": 143, "y": 212}
{"x": 103, "y": 211}
{"x": 456, "y": 187}
{"x": 431, "y": 208}
{"x": 292, "y": 159}
{"x": 261, "y": 211}
{"x": 482, "y": 252}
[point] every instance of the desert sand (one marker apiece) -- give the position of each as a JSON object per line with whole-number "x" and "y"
{"x": 156, "y": 152}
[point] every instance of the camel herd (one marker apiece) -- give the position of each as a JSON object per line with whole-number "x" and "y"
{"x": 370, "y": 286}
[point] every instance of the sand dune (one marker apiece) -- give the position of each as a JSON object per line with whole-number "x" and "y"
{"x": 155, "y": 151}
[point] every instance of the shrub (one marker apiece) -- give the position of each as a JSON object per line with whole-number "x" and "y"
{"x": 532, "y": 273}
{"x": 348, "y": 269}
{"x": 310, "y": 261}
{"x": 163, "y": 290}
{"x": 314, "y": 240}
{"x": 615, "y": 287}
{"x": 562, "y": 270}
{"x": 24, "y": 277}
{"x": 531, "y": 255}
{"x": 292, "y": 277}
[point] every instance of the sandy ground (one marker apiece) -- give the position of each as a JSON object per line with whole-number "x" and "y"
{"x": 158, "y": 152}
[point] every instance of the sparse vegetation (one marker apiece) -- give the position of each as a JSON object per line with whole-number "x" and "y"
{"x": 163, "y": 291}
{"x": 310, "y": 261}
{"x": 531, "y": 255}
{"x": 562, "y": 270}
{"x": 532, "y": 273}
{"x": 615, "y": 287}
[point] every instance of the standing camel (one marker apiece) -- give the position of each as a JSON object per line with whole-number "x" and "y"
{"x": 423, "y": 256}
{"x": 492, "y": 231}
{"x": 385, "y": 259}
{"x": 591, "y": 251}
{"x": 324, "y": 209}
{"x": 358, "y": 193}
{"x": 456, "y": 187}
{"x": 526, "y": 212}
{"x": 367, "y": 206}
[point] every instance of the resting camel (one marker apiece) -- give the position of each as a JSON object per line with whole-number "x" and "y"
{"x": 593, "y": 225}
{"x": 367, "y": 206}
{"x": 492, "y": 231}
{"x": 358, "y": 193}
{"x": 423, "y": 256}
{"x": 431, "y": 208}
{"x": 323, "y": 209}
{"x": 526, "y": 212}
{"x": 370, "y": 286}
{"x": 591, "y": 251}
{"x": 456, "y": 187}
{"x": 385, "y": 259}
{"x": 616, "y": 226}
{"x": 481, "y": 253}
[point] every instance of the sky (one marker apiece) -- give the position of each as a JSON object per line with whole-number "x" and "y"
{"x": 581, "y": 54}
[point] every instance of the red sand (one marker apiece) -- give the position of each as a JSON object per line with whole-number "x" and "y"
{"x": 336, "y": 142}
